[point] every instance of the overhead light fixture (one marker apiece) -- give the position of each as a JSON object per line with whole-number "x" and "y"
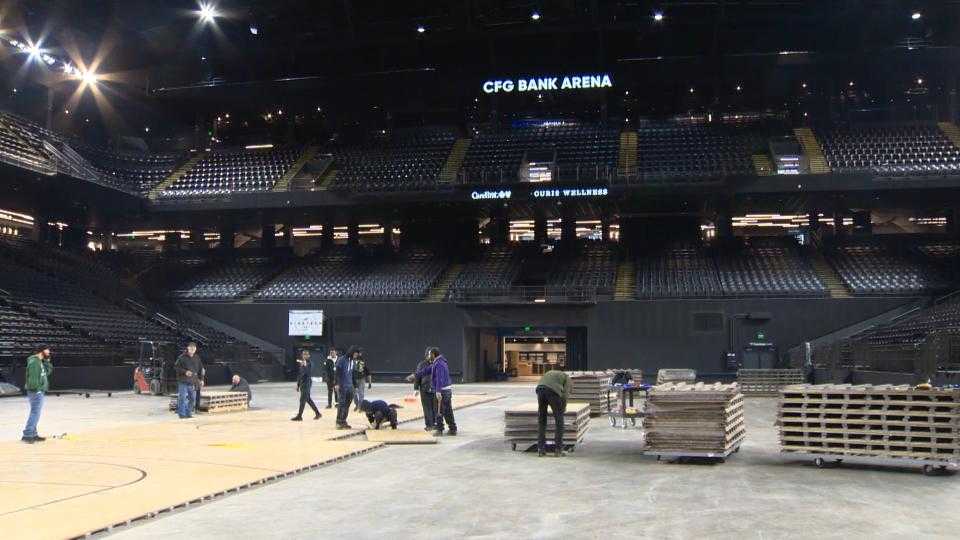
{"x": 916, "y": 15}
{"x": 90, "y": 77}
{"x": 421, "y": 29}
{"x": 207, "y": 13}
{"x": 919, "y": 81}
{"x": 34, "y": 51}
{"x": 658, "y": 16}
{"x": 739, "y": 88}
{"x": 535, "y": 16}
{"x": 254, "y": 30}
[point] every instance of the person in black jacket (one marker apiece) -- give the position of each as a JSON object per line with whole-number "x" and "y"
{"x": 423, "y": 384}
{"x": 329, "y": 375}
{"x": 304, "y": 383}
{"x": 378, "y": 411}
{"x": 239, "y": 384}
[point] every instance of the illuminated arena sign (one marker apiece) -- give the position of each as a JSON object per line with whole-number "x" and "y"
{"x": 570, "y": 193}
{"x": 490, "y": 194}
{"x": 548, "y": 84}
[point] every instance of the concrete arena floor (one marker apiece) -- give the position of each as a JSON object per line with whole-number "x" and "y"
{"x": 475, "y": 486}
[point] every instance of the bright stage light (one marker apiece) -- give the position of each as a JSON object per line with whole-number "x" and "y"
{"x": 658, "y": 16}
{"x": 421, "y": 29}
{"x": 208, "y": 13}
{"x": 90, "y": 77}
{"x": 535, "y": 15}
{"x": 34, "y": 51}
{"x": 916, "y": 15}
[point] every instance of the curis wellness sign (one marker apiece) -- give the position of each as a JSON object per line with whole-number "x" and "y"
{"x": 548, "y": 84}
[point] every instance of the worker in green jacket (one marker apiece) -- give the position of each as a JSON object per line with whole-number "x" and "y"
{"x": 553, "y": 389}
{"x": 39, "y": 368}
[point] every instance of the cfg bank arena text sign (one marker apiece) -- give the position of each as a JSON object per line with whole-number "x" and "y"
{"x": 548, "y": 84}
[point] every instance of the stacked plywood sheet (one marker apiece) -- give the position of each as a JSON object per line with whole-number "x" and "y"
{"x": 694, "y": 419}
{"x": 884, "y": 421}
{"x": 593, "y": 388}
{"x": 767, "y": 382}
{"x": 665, "y": 376}
{"x": 520, "y": 425}
{"x": 215, "y": 402}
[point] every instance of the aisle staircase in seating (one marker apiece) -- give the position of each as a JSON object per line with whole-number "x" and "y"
{"x": 176, "y": 175}
{"x": 283, "y": 184}
{"x": 627, "y": 160}
{"x": 450, "y": 169}
{"x": 951, "y": 131}
{"x": 762, "y": 164}
{"x": 626, "y": 286}
{"x": 828, "y": 275}
{"x": 439, "y": 291}
{"x": 811, "y": 148}
{"x": 325, "y": 181}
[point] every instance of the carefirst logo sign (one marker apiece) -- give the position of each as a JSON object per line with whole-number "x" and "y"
{"x": 548, "y": 84}
{"x": 490, "y": 194}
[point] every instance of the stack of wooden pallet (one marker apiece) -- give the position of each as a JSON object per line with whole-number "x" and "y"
{"x": 520, "y": 425}
{"x": 665, "y": 376}
{"x": 767, "y": 382}
{"x": 703, "y": 420}
{"x": 216, "y": 402}
{"x": 883, "y": 421}
{"x": 592, "y": 387}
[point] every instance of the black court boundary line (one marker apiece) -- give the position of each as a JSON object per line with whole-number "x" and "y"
{"x": 136, "y": 520}
{"x": 143, "y": 474}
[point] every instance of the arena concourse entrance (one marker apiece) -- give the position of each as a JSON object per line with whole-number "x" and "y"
{"x": 522, "y": 354}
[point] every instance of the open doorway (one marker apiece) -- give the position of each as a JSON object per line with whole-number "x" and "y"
{"x": 523, "y": 353}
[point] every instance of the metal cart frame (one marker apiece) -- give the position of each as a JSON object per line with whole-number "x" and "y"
{"x": 930, "y": 467}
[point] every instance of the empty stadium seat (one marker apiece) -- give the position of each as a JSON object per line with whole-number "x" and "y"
{"x": 405, "y": 160}
{"x": 234, "y": 171}
{"x": 890, "y": 150}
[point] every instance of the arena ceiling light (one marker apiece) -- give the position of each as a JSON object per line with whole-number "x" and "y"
{"x": 421, "y": 29}
{"x": 207, "y": 13}
{"x": 658, "y": 16}
{"x": 916, "y": 15}
{"x": 535, "y": 16}
{"x": 90, "y": 78}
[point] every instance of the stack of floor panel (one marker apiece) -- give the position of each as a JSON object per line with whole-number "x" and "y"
{"x": 694, "y": 419}
{"x": 665, "y": 376}
{"x": 593, "y": 388}
{"x": 767, "y": 382}
{"x": 215, "y": 402}
{"x": 883, "y": 421}
{"x": 520, "y": 425}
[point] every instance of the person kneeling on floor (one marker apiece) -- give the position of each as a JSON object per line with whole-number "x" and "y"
{"x": 553, "y": 389}
{"x": 378, "y": 411}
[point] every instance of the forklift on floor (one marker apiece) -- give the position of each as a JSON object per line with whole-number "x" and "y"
{"x": 154, "y": 373}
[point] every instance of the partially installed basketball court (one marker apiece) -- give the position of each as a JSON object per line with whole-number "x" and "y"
{"x": 90, "y": 482}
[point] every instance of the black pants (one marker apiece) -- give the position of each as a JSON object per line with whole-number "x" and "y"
{"x": 305, "y": 399}
{"x": 331, "y": 393}
{"x": 344, "y": 401}
{"x": 428, "y": 400}
{"x": 377, "y": 419}
{"x": 196, "y": 404}
{"x": 446, "y": 411}
{"x": 545, "y": 397}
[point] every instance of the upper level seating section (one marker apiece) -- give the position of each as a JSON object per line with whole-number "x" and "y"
{"x": 232, "y": 171}
{"x": 21, "y": 144}
{"x": 594, "y": 265}
{"x": 497, "y": 268}
{"x": 342, "y": 275}
{"x": 22, "y": 334}
{"x": 68, "y": 304}
{"x": 872, "y": 268}
{"x": 408, "y": 159}
{"x": 683, "y": 270}
{"x": 768, "y": 267}
{"x": 134, "y": 172}
{"x": 580, "y": 149}
{"x": 889, "y": 150}
{"x": 944, "y": 316}
{"x": 696, "y": 152}
{"x": 234, "y": 279}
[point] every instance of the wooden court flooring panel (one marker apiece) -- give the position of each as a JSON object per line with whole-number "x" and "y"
{"x": 92, "y": 481}
{"x": 400, "y": 436}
